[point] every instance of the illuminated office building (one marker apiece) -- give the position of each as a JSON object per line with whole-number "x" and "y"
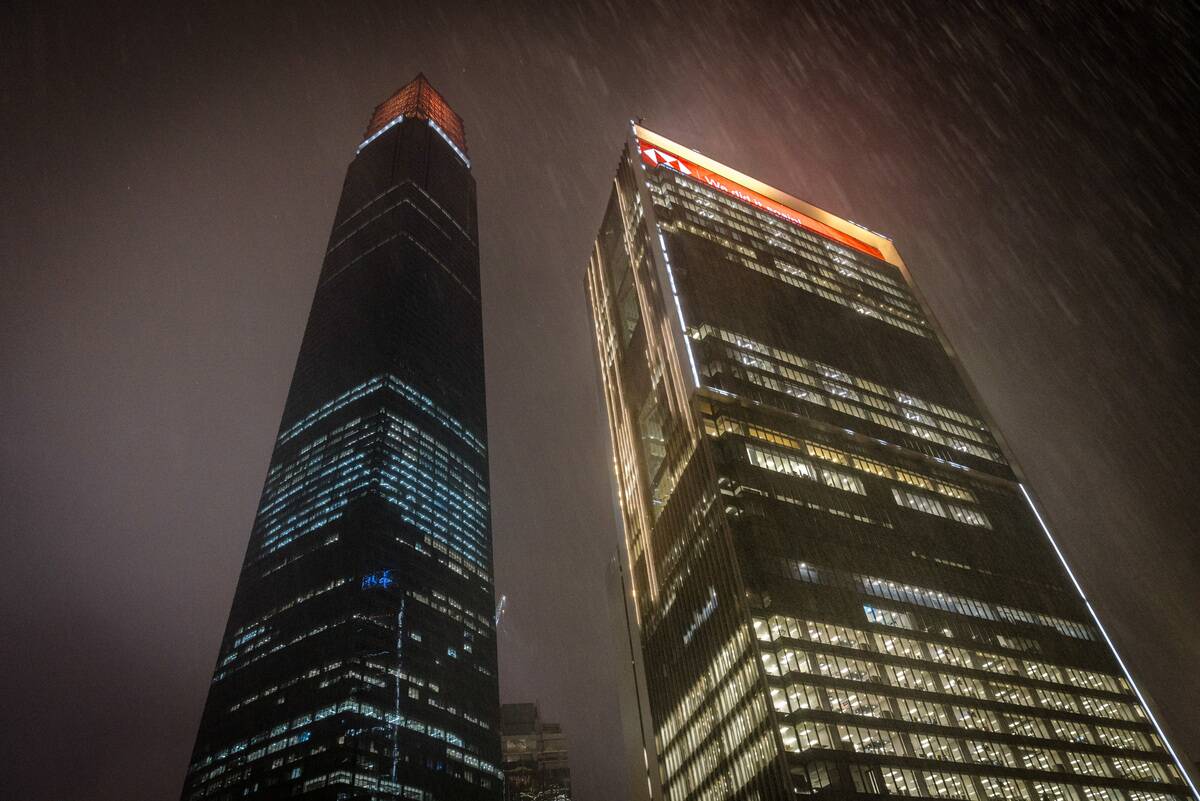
{"x": 536, "y": 765}
{"x": 841, "y": 585}
{"x": 359, "y": 660}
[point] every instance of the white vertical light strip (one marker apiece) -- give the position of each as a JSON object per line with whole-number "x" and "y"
{"x": 678, "y": 307}
{"x": 1112, "y": 647}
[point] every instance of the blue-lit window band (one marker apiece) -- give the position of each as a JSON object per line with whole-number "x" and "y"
{"x": 393, "y": 384}
{"x": 933, "y": 599}
{"x": 438, "y": 492}
{"x": 277, "y": 738}
{"x": 261, "y": 638}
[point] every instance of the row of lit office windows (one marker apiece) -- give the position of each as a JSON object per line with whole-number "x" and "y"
{"x": 837, "y": 282}
{"x": 973, "y": 607}
{"x": 451, "y": 559}
{"x": 230, "y": 666}
{"x": 932, "y": 599}
{"x": 805, "y": 280}
{"x": 390, "y": 383}
{"x": 723, "y": 662}
{"x": 933, "y": 506}
{"x": 875, "y": 468}
{"x": 836, "y": 272}
{"x": 893, "y": 780}
{"x": 471, "y": 620}
{"x": 711, "y": 729}
{"x": 917, "y": 502}
{"x": 800, "y": 697}
{"x": 837, "y": 511}
{"x": 879, "y": 741}
{"x": 257, "y": 627}
{"x": 745, "y": 343}
{"x": 267, "y": 692}
{"x": 780, "y": 461}
{"x": 756, "y": 224}
{"x": 740, "y": 768}
{"x": 835, "y": 456}
{"x": 438, "y": 491}
{"x": 244, "y": 753}
{"x": 724, "y": 701}
{"x": 808, "y": 281}
{"x": 824, "y": 393}
{"x": 343, "y": 439}
{"x": 226, "y": 773}
{"x": 848, "y": 267}
{"x": 725, "y": 776}
{"x": 729, "y": 757}
{"x": 786, "y": 660}
{"x": 887, "y": 421}
{"x": 369, "y": 781}
{"x": 789, "y": 464}
{"x": 928, "y": 651}
{"x": 338, "y": 459}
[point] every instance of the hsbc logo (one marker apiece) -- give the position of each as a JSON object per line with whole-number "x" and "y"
{"x": 655, "y": 157}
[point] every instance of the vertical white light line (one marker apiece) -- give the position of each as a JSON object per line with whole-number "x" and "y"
{"x": 399, "y": 670}
{"x": 1112, "y": 647}
{"x": 678, "y": 307}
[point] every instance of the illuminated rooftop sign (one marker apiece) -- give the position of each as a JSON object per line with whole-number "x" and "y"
{"x": 655, "y": 155}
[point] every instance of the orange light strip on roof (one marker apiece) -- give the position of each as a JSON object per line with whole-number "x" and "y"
{"x": 417, "y": 99}
{"x": 655, "y": 156}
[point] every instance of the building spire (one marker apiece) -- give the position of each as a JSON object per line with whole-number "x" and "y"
{"x": 418, "y": 99}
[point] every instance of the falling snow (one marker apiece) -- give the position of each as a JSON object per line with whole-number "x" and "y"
{"x": 170, "y": 177}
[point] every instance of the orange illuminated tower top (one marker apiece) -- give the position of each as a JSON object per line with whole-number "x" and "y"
{"x": 418, "y": 99}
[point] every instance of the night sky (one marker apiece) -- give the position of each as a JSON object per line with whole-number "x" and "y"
{"x": 170, "y": 176}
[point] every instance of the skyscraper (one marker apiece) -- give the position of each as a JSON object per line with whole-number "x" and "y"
{"x": 359, "y": 660}
{"x": 536, "y": 764}
{"x": 841, "y": 584}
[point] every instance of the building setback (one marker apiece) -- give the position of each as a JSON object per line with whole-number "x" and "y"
{"x": 359, "y": 660}
{"x": 841, "y": 584}
{"x": 536, "y": 764}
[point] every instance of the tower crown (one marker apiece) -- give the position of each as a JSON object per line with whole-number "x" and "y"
{"x": 418, "y": 99}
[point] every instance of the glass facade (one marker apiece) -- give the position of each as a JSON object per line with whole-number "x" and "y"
{"x": 536, "y": 763}
{"x": 841, "y": 586}
{"x": 359, "y": 660}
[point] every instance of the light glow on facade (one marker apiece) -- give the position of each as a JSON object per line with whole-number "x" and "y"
{"x": 655, "y": 156}
{"x": 840, "y": 584}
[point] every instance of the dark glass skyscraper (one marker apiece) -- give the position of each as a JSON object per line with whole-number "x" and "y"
{"x": 842, "y": 587}
{"x": 359, "y": 660}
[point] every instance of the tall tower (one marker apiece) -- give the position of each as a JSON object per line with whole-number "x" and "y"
{"x": 536, "y": 763}
{"x": 841, "y": 584}
{"x": 359, "y": 660}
